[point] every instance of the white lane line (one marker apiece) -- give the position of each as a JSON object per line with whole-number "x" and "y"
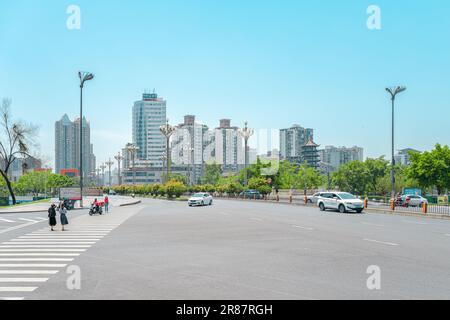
{"x": 382, "y": 242}
{"x": 224, "y": 213}
{"x": 306, "y": 228}
{"x": 36, "y": 259}
{"x": 72, "y": 234}
{"x": 6, "y": 220}
{"x": 29, "y": 220}
{"x": 415, "y": 222}
{"x": 11, "y": 298}
{"x": 48, "y": 242}
{"x": 29, "y": 271}
{"x": 373, "y": 224}
{"x": 23, "y": 279}
{"x": 17, "y": 289}
{"x": 53, "y": 239}
{"x": 447, "y": 234}
{"x": 20, "y": 226}
{"x": 256, "y": 219}
{"x": 47, "y": 246}
{"x": 39, "y": 254}
{"x": 33, "y": 265}
{"x": 42, "y": 250}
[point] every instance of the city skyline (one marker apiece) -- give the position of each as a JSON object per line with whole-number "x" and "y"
{"x": 225, "y": 61}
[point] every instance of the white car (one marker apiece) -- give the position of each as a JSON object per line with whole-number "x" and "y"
{"x": 314, "y": 197}
{"x": 341, "y": 201}
{"x": 200, "y": 199}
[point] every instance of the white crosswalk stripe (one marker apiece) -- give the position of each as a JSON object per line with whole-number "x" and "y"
{"x": 32, "y": 258}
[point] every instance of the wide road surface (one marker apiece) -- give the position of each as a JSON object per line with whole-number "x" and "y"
{"x": 230, "y": 250}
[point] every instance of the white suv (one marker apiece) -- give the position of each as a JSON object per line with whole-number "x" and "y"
{"x": 342, "y": 201}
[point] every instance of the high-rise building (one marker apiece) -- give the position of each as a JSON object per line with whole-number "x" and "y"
{"x": 335, "y": 157}
{"x": 402, "y": 156}
{"x": 149, "y": 114}
{"x": 67, "y": 146}
{"x": 187, "y": 146}
{"x": 229, "y": 149}
{"x": 297, "y": 145}
{"x": 293, "y": 139}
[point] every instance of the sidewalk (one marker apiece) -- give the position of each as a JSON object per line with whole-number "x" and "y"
{"x": 115, "y": 201}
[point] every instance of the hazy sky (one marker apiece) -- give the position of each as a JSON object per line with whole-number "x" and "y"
{"x": 273, "y": 63}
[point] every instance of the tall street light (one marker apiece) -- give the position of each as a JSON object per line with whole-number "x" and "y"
{"x": 109, "y": 163}
{"x": 119, "y": 159}
{"x": 98, "y": 170}
{"x": 133, "y": 149}
{"x": 84, "y": 76}
{"x": 246, "y": 133}
{"x": 103, "y": 167}
{"x": 393, "y": 91}
{"x": 167, "y": 130}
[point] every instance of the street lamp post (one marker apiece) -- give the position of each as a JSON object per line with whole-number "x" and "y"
{"x": 119, "y": 159}
{"x": 132, "y": 149}
{"x": 109, "y": 163}
{"x": 103, "y": 167}
{"x": 84, "y": 76}
{"x": 98, "y": 175}
{"x": 246, "y": 133}
{"x": 393, "y": 92}
{"x": 167, "y": 130}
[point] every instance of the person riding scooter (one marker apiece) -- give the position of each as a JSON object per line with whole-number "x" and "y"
{"x": 95, "y": 208}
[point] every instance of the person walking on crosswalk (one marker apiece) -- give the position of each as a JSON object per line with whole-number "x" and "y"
{"x": 63, "y": 216}
{"x": 106, "y": 201}
{"x": 52, "y": 216}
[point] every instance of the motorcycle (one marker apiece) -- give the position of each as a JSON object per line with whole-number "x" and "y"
{"x": 95, "y": 210}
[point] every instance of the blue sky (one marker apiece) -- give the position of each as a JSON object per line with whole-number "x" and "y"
{"x": 273, "y": 63}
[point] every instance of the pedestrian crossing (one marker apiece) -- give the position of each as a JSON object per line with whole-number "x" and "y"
{"x": 31, "y": 259}
{"x": 21, "y": 220}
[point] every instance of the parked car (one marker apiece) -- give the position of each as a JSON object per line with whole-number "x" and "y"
{"x": 200, "y": 199}
{"x": 341, "y": 201}
{"x": 412, "y": 200}
{"x": 250, "y": 194}
{"x": 314, "y": 197}
{"x": 112, "y": 193}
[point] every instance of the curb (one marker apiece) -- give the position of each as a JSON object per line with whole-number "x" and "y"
{"x": 130, "y": 203}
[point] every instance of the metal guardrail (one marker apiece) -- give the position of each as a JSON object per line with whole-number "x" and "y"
{"x": 370, "y": 203}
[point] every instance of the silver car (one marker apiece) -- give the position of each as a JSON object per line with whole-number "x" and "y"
{"x": 341, "y": 201}
{"x": 412, "y": 200}
{"x": 200, "y": 199}
{"x": 314, "y": 197}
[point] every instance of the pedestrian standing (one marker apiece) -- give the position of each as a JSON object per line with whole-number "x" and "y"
{"x": 106, "y": 203}
{"x": 63, "y": 216}
{"x": 52, "y": 216}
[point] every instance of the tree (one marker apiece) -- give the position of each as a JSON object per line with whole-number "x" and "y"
{"x": 174, "y": 188}
{"x": 261, "y": 184}
{"x": 286, "y": 176}
{"x": 35, "y": 182}
{"x": 307, "y": 178}
{"x": 16, "y": 141}
{"x": 377, "y": 169}
{"x": 431, "y": 169}
{"x": 213, "y": 172}
{"x": 253, "y": 170}
{"x": 352, "y": 177}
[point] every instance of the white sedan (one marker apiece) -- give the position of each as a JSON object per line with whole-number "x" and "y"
{"x": 200, "y": 199}
{"x": 342, "y": 201}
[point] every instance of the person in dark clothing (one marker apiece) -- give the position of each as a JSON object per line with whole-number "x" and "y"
{"x": 52, "y": 216}
{"x": 63, "y": 214}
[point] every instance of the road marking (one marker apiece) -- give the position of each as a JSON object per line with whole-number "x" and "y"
{"x": 29, "y": 220}
{"x": 46, "y": 246}
{"x": 306, "y": 228}
{"x": 49, "y": 242}
{"x": 55, "y": 239}
{"x": 35, "y": 259}
{"x": 17, "y": 289}
{"x": 18, "y": 227}
{"x": 12, "y": 298}
{"x": 382, "y": 242}
{"x": 41, "y": 250}
{"x": 29, "y": 271}
{"x": 373, "y": 224}
{"x": 23, "y": 279}
{"x": 39, "y": 254}
{"x": 414, "y": 222}
{"x": 447, "y": 234}
{"x": 6, "y": 220}
{"x": 33, "y": 265}
{"x": 256, "y": 219}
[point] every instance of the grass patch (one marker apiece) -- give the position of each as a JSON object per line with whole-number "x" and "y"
{"x": 26, "y": 203}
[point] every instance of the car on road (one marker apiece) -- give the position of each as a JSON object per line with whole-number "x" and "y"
{"x": 341, "y": 201}
{"x": 250, "y": 194}
{"x": 314, "y": 197}
{"x": 412, "y": 200}
{"x": 200, "y": 199}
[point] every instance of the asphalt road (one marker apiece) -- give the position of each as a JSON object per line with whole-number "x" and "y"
{"x": 230, "y": 250}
